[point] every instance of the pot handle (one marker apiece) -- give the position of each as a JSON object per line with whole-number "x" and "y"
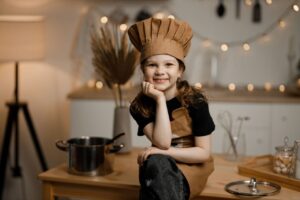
{"x": 116, "y": 148}
{"x": 62, "y": 145}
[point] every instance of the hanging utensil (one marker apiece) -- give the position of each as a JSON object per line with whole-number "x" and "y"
{"x": 237, "y": 9}
{"x": 221, "y": 10}
{"x": 256, "y": 14}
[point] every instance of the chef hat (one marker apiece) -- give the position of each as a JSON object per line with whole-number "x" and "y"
{"x": 161, "y": 36}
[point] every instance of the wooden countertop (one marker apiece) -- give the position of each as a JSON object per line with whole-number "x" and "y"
{"x": 217, "y": 94}
{"x": 125, "y": 179}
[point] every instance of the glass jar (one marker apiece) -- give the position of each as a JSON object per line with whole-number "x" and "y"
{"x": 284, "y": 159}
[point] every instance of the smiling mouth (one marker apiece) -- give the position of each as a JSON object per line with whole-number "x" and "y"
{"x": 160, "y": 80}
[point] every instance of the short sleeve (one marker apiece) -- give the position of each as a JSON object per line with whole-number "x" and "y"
{"x": 202, "y": 122}
{"x": 141, "y": 121}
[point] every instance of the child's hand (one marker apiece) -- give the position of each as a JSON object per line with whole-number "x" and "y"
{"x": 149, "y": 90}
{"x": 143, "y": 155}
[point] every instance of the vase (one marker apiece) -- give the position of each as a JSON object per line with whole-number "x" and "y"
{"x": 121, "y": 124}
{"x": 236, "y": 153}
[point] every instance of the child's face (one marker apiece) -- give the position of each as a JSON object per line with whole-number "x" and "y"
{"x": 162, "y": 71}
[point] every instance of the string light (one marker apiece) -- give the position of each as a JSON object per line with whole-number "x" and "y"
{"x": 250, "y": 87}
{"x": 104, "y": 20}
{"x": 268, "y": 86}
{"x": 91, "y": 83}
{"x": 246, "y": 46}
{"x": 269, "y": 2}
{"x": 171, "y": 17}
{"x": 159, "y": 15}
{"x": 282, "y": 23}
{"x": 264, "y": 36}
{"x": 296, "y": 8}
{"x": 248, "y": 2}
{"x": 231, "y": 87}
{"x": 281, "y": 88}
{"x": 224, "y": 47}
{"x": 123, "y": 27}
{"x": 206, "y": 43}
{"x": 198, "y": 85}
{"x": 99, "y": 85}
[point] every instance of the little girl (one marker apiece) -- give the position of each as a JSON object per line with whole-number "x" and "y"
{"x": 173, "y": 115}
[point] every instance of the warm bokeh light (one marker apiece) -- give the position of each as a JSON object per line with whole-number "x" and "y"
{"x": 104, "y": 20}
{"x": 99, "y": 85}
{"x": 224, "y": 47}
{"x": 198, "y": 85}
{"x": 298, "y": 82}
{"x": 281, "y": 88}
{"x": 282, "y": 24}
{"x": 296, "y": 8}
{"x": 123, "y": 27}
{"x": 250, "y": 87}
{"x": 268, "y": 86}
{"x": 171, "y": 17}
{"x": 248, "y": 2}
{"x": 91, "y": 83}
{"x": 246, "y": 46}
{"x": 206, "y": 43}
{"x": 159, "y": 15}
{"x": 231, "y": 87}
{"x": 269, "y": 2}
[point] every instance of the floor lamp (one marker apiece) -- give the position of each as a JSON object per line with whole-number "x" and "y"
{"x": 21, "y": 39}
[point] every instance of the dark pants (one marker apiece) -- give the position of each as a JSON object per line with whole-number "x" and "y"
{"x": 161, "y": 179}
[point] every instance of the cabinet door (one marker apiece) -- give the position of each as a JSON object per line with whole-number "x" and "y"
{"x": 256, "y": 129}
{"x": 285, "y": 122}
{"x": 95, "y": 118}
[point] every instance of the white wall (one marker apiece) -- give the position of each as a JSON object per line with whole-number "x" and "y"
{"x": 46, "y": 84}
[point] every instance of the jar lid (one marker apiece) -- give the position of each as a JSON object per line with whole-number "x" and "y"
{"x": 285, "y": 148}
{"x": 252, "y": 188}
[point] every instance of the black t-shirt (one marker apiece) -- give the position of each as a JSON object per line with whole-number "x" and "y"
{"x": 202, "y": 122}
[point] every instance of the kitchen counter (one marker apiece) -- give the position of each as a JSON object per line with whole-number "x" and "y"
{"x": 123, "y": 182}
{"x": 217, "y": 94}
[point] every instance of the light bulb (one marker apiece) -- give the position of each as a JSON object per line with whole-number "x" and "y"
{"x": 198, "y": 85}
{"x": 281, "y": 88}
{"x": 171, "y": 17}
{"x": 268, "y": 86}
{"x": 99, "y": 85}
{"x": 123, "y": 27}
{"x": 246, "y": 46}
{"x": 104, "y": 20}
{"x": 269, "y": 2}
{"x": 250, "y": 87}
{"x": 224, "y": 47}
{"x": 296, "y": 8}
{"x": 282, "y": 23}
{"x": 231, "y": 87}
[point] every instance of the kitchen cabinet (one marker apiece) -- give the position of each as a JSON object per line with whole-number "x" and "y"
{"x": 285, "y": 122}
{"x": 272, "y": 115}
{"x": 257, "y": 129}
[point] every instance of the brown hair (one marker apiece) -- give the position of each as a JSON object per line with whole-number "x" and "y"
{"x": 187, "y": 95}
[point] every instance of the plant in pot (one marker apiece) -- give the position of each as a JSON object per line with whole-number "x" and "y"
{"x": 115, "y": 60}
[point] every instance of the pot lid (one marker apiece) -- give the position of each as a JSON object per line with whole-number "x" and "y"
{"x": 252, "y": 188}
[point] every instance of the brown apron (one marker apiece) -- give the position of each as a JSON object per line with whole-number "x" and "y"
{"x": 196, "y": 174}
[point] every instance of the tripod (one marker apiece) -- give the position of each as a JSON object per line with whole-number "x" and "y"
{"x": 13, "y": 120}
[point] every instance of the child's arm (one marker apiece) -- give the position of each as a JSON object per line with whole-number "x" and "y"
{"x": 197, "y": 154}
{"x": 159, "y": 132}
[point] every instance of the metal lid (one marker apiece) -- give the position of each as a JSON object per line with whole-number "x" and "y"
{"x": 252, "y": 188}
{"x": 285, "y": 148}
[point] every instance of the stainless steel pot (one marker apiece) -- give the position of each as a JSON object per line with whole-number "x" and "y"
{"x": 90, "y": 156}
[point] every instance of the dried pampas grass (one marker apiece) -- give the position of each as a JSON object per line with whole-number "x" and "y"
{"x": 114, "y": 59}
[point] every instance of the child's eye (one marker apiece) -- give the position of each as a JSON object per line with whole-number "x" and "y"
{"x": 169, "y": 64}
{"x": 150, "y": 65}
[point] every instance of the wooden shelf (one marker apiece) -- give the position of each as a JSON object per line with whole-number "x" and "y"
{"x": 217, "y": 94}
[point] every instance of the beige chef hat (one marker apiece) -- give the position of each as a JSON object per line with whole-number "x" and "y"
{"x": 161, "y": 36}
